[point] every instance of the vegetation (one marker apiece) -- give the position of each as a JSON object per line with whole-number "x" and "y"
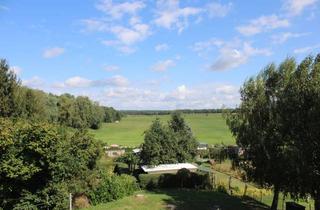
{"x": 277, "y": 124}
{"x": 41, "y": 163}
{"x": 42, "y": 160}
{"x": 168, "y": 144}
{"x": 17, "y": 101}
{"x": 183, "y": 179}
{"x": 209, "y": 128}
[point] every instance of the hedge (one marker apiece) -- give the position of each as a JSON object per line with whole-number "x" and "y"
{"x": 182, "y": 179}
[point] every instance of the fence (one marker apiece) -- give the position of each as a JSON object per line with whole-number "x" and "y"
{"x": 238, "y": 187}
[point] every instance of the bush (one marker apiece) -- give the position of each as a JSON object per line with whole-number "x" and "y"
{"x": 112, "y": 188}
{"x": 184, "y": 178}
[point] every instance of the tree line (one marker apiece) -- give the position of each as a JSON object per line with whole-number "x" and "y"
{"x": 167, "y": 112}
{"x": 17, "y": 101}
{"x": 277, "y": 124}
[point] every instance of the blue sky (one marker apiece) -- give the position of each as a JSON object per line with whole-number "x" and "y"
{"x": 164, "y": 54}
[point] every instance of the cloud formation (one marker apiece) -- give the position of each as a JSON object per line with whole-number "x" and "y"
{"x": 283, "y": 37}
{"x": 170, "y": 15}
{"x": 53, "y": 52}
{"x": 263, "y": 24}
{"x": 216, "y": 9}
{"x": 296, "y": 7}
{"x": 161, "y": 47}
{"x": 164, "y": 65}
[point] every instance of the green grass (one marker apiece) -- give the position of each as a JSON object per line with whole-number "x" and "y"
{"x": 210, "y": 128}
{"x": 182, "y": 200}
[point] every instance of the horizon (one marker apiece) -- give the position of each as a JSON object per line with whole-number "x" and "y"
{"x": 140, "y": 55}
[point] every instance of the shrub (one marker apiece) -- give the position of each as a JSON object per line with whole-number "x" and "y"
{"x": 81, "y": 202}
{"x": 112, "y": 188}
{"x": 183, "y": 178}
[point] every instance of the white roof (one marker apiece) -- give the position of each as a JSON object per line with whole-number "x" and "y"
{"x": 167, "y": 167}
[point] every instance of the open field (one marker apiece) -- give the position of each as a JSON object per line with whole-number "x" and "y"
{"x": 181, "y": 200}
{"x": 210, "y": 128}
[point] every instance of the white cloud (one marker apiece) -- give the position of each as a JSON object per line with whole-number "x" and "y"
{"x": 216, "y": 9}
{"x": 181, "y": 97}
{"x": 161, "y": 47}
{"x": 95, "y": 25}
{"x": 16, "y": 70}
{"x": 307, "y": 49}
{"x": 296, "y": 7}
{"x": 127, "y": 32}
{"x": 205, "y": 47}
{"x": 34, "y": 82}
{"x": 169, "y": 14}
{"x": 283, "y": 37}
{"x": 118, "y": 10}
{"x": 53, "y": 52}
{"x": 128, "y": 36}
{"x": 164, "y": 65}
{"x": 263, "y": 24}
{"x": 77, "y": 82}
{"x": 80, "y": 82}
{"x": 111, "y": 68}
{"x": 231, "y": 57}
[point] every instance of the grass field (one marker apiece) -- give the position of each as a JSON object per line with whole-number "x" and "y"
{"x": 181, "y": 200}
{"x": 210, "y": 128}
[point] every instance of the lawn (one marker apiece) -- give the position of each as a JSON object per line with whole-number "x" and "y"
{"x": 209, "y": 128}
{"x": 180, "y": 200}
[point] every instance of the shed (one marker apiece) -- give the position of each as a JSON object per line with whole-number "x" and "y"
{"x": 168, "y": 168}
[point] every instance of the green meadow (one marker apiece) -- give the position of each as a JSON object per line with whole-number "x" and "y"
{"x": 208, "y": 128}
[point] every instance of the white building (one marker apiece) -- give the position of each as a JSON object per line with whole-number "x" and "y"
{"x": 168, "y": 168}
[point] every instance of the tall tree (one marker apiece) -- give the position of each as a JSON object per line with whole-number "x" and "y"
{"x": 158, "y": 147}
{"x": 186, "y": 142}
{"x": 257, "y": 128}
{"x": 8, "y": 85}
{"x": 301, "y": 121}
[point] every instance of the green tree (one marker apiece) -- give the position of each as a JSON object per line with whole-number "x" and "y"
{"x": 159, "y": 146}
{"x": 8, "y": 85}
{"x": 186, "y": 143}
{"x": 256, "y": 124}
{"x": 300, "y": 117}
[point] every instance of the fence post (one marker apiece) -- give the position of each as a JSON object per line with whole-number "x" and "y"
{"x": 261, "y": 196}
{"x": 245, "y": 189}
{"x": 70, "y": 201}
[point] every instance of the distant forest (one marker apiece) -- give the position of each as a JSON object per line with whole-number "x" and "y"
{"x": 17, "y": 101}
{"x": 166, "y": 112}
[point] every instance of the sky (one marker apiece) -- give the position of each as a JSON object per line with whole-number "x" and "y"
{"x": 153, "y": 54}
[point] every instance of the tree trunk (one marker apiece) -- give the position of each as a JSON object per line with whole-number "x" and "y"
{"x": 317, "y": 203}
{"x": 274, "y": 205}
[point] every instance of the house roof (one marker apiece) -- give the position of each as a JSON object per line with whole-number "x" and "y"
{"x": 168, "y": 167}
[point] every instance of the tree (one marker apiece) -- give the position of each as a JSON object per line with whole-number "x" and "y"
{"x": 41, "y": 162}
{"x": 186, "y": 142}
{"x": 8, "y": 85}
{"x": 256, "y": 124}
{"x": 168, "y": 144}
{"x": 300, "y": 117}
{"x": 158, "y": 147}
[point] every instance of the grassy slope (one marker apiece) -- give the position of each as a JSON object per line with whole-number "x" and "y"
{"x": 182, "y": 199}
{"x": 207, "y": 128}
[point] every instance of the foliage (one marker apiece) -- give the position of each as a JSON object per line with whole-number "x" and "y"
{"x": 41, "y": 162}
{"x": 277, "y": 124}
{"x": 8, "y": 86}
{"x": 183, "y": 179}
{"x": 172, "y": 144}
{"x": 112, "y": 188}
